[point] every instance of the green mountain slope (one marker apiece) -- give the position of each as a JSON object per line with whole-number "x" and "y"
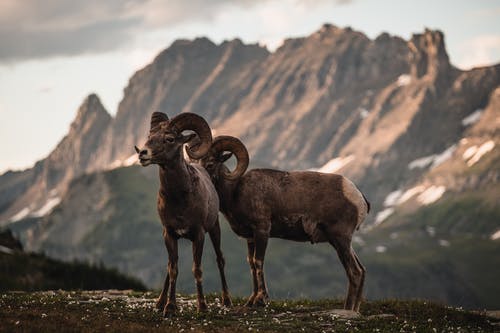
{"x": 29, "y": 271}
{"x": 123, "y": 231}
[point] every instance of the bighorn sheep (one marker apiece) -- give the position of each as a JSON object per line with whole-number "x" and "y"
{"x": 187, "y": 200}
{"x": 300, "y": 206}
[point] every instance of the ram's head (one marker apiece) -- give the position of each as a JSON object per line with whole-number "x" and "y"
{"x": 166, "y": 138}
{"x": 222, "y": 148}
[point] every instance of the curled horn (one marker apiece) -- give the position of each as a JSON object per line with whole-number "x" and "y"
{"x": 156, "y": 119}
{"x": 229, "y": 143}
{"x": 193, "y": 122}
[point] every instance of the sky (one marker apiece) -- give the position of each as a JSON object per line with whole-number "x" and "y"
{"x": 54, "y": 53}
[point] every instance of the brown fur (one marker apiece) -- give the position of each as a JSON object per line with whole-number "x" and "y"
{"x": 299, "y": 206}
{"x": 187, "y": 206}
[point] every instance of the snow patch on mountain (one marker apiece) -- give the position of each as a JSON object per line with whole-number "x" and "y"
{"x": 433, "y": 160}
{"x": 403, "y": 80}
{"x": 472, "y": 118}
{"x": 473, "y": 154}
{"x": 392, "y": 198}
{"x": 20, "y": 215}
{"x": 383, "y": 215}
{"x": 336, "y": 164}
{"x": 47, "y": 207}
{"x": 431, "y": 194}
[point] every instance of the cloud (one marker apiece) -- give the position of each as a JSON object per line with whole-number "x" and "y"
{"x": 31, "y": 29}
{"x": 480, "y": 51}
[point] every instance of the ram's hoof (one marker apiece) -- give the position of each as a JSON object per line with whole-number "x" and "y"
{"x": 169, "y": 310}
{"x": 160, "y": 304}
{"x": 202, "y": 306}
{"x": 250, "y": 301}
{"x": 260, "y": 300}
{"x": 226, "y": 300}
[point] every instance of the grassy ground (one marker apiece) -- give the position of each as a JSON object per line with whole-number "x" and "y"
{"x": 127, "y": 311}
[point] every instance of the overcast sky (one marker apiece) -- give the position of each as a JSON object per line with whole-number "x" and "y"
{"x": 53, "y": 53}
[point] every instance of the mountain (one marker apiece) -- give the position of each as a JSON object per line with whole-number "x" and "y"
{"x": 419, "y": 136}
{"x": 376, "y": 104}
{"x": 36, "y": 191}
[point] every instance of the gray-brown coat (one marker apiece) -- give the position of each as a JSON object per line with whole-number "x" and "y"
{"x": 299, "y": 206}
{"x": 187, "y": 200}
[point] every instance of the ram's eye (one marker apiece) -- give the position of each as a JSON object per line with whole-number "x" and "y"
{"x": 169, "y": 139}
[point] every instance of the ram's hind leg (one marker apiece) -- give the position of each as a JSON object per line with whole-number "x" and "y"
{"x": 359, "y": 296}
{"x": 215, "y": 238}
{"x": 162, "y": 300}
{"x": 354, "y": 271}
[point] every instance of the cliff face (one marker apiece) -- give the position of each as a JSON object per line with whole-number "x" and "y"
{"x": 369, "y": 107}
{"x": 190, "y": 76}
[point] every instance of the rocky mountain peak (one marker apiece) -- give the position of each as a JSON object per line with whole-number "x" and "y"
{"x": 90, "y": 111}
{"x": 429, "y": 52}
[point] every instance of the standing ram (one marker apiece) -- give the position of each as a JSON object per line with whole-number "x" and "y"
{"x": 187, "y": 200}
{"x": 300, "y": 206}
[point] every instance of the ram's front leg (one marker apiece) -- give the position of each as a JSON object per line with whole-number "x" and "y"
{"x": 261, "y": 239}
{"x": 173, "y": 258}
{"x": 255, "y": 283}
{"x": 197, "y": 272}
{"x": 162, "y": 300}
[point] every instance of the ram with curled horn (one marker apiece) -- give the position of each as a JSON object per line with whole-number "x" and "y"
{"x": 300, "y": 206}
{"x": 187, "y": 200}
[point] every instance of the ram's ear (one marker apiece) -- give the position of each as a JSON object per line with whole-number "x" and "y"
{"x": 225, "y": 157}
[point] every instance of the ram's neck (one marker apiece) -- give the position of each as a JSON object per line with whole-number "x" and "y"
{"x": 175, "y": 178}
{"x": 225, "y": 189}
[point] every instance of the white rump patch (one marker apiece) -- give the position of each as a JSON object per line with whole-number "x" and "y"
{"x": 431, "y": 194}
{"x": 352, "y": 194}
{"x": 404, "y": 80}
{"x": 336, "y": 164}
{"x": 20, "y": 215}
{"x": 51, "y": 203}
{"x": 495, "y": 235}
{"x": 472, "y": 118}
